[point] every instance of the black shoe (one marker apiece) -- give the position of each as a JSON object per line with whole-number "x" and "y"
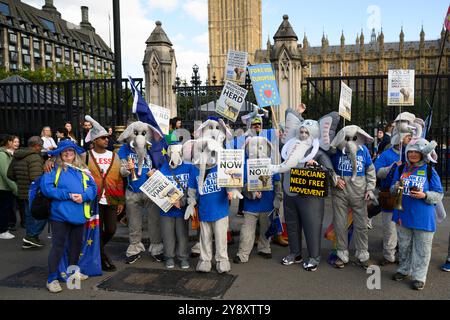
{"x": 364, "y": 264}
{"x": 418, "y": 285}
{"x": 34, "y": 241}
{"x": 108, "y": 267}
{"x": 132, "y": 259}
{"x": 237, "y": 260}
{"x": 158, "y": 257}
{"x": 385, "y": 262}
{"x": 399, "y": 276}
{"x": 26, "y": 245}
{"x": 265, "y": 255}
{"x": 291, "y": 259}
{"x": 310, "y": 267}
{"x": 339, "y": 264}
{"x": 194, "y": 255}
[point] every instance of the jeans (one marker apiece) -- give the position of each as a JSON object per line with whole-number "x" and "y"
{"x": 6, "y": 209}
{"x": 34, "y": 227}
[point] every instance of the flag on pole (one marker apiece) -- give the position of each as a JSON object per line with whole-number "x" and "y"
{"x": 447, "y": 20}
{"x": 428, "y": 121}
{"x": 144, "y": 113}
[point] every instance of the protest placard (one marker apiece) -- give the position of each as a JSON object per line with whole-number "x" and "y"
{"x": 264, "y": 85}
{"x": 230, "y": 172}
{"x": 401, "y": 87}
{"x": 236, "y": 66}
{"x": 345, "y": 102}
{"x": 162, "y": 117}
{"x": 259, "y": 177}
{"x": 161, "y": 191}
{"x": 231, "y": 101}
{"x": 309, "y": 182}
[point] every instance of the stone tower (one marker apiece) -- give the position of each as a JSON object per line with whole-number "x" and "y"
{"x": 160, "y": 70}
{"x": 235, "y": 25}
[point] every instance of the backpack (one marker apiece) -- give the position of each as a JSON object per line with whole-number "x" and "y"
{"x": 39, "y": 204}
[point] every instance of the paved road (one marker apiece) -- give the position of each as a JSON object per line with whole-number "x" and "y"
{"x": 259, "y": 279}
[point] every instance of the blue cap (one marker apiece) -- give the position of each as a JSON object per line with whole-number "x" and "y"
{"x": 64, "y": 145}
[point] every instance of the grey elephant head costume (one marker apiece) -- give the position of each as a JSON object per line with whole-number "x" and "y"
{"x": 305, "y": 136}
{"x": 175, "y": 155}
{"x": 406, "y": 123}
{"x": 349, "y": 140}
{"x": 139, "y": 136}
{"x": 203, "y": 151}
{"x": 258, "y": 147}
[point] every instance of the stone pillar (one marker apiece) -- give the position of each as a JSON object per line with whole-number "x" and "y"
{"x": 160, "y": 70}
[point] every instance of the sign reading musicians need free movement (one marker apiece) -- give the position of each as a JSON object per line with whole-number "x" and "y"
{"x": 236, "y": 65}
{"x": 401, "y": 87}
{"x": 309, "y": 182}
{"x": 264, "y": 85}
{"x": 230, "y": 172}
{"x": 231, "y": 101}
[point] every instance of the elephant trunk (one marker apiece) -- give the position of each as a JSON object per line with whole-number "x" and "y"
{"x": 352, "y": 149}
{"x": 140, "y": 146}
{"x": 296, "y": 154}
{"x": 201, "y": 177}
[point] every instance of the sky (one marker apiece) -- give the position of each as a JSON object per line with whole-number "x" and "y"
{"x": 186, "y": 23}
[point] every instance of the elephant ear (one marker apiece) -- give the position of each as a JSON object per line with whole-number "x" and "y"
{"x": 225, "y": 130}
{"x": 294, "y": 121}
{"x": 364, "y": 137}
{"x": 188, "y": 151}
{"x": 339, "y": 139}
{"x": 199, "y": 132}
{"x": 419, "y": 125}
{"x": 328, "y": 126}
{"x": 156, "y": 135}
{"x": 129, "y": 131}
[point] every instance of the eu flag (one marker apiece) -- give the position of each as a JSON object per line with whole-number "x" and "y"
{"x": 144, "y": 114}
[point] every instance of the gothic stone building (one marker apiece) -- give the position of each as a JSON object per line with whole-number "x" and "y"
{"x": 31, "y": 39}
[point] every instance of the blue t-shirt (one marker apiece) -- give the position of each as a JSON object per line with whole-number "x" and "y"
{"x": 417, "y": 214}
{"x": 125, "y": 152}
{"x": 343, "y": 165}
{"x": 386, "y": 159}
{"x": 182, "y": 173}
{"x": 265, "y": 204}
{"x": 213, "y": 204}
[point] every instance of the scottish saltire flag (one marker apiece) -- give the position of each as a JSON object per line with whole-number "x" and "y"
{"x": 144, "y": 114}
{"x": 90, "y": 262}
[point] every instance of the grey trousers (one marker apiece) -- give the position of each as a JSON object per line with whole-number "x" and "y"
{"x": 247, "y": 236}
{"x": 303, "y": 213}
{"x": 448, "y": 257}
{"x": 342, "y": 201}
{"x": 414, "y": 251}
{"x": 389, "y": 236}
{"x": 175, "y": 230}
{"x": 139, "y": 204}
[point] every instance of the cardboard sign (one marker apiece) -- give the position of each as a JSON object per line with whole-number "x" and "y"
{"x": 161, "y": 191}
{"x": 401, "y": 87}
{"x": 230, "y": 172}
{"x": 345, "y": 102}
{"x": 264, "y": 85}
{"x": 162, "y": 117}
{"x": 309, "y": 182}
{"x": 231, "y": 101}
{"x": 236, "y": 66}
{"x": 259, "y": 177}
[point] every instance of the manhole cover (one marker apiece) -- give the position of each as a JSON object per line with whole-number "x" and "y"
{"x": 169, "y": 282}
{"x": 34, "y": 277}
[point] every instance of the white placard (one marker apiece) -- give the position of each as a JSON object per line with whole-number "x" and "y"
{"x": 236, "y": 66}
{"x": 161, "y": 191}
{"x": 345, "y": 102}
{"x": 230, "y": 172}
{"x": 259, "y": 177}
{"x": 162, "y": 117}
{"x": 231, "y": 101}
{"x": 401, "y": 87}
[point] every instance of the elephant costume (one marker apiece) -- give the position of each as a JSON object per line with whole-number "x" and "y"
{"x": 174, "y": 228}
{"x": 258, "y": 205}
{"x": 203, "y": 190}
{"x": 136, "y": 153}
{"x": 308, "y": 142}
{"x": 352, "y": 161}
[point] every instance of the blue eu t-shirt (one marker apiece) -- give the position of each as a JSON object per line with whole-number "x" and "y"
{"x": 125, "y": 152}
{"x": 182, "y": 174}
{"x": 213, "y": 204}
{"x": 265, "y": 204}
{"x": 343, "y": 165}
{"x": 417, "y": 214}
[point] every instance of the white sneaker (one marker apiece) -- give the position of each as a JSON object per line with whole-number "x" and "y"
{"x": 81, "y": 276}
{"x": 54, "y": 286}
{"x": 7, "y": 236}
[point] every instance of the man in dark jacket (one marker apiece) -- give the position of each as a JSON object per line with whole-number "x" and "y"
{"x": 26, "y": 167}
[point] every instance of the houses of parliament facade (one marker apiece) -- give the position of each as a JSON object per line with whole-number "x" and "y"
{"x": 237, "y": 25}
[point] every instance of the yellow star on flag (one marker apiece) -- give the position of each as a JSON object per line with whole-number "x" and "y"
{"x": 164, "y": 152}
{"x": 92, "y": 226}
{"x": 89, "y": 242}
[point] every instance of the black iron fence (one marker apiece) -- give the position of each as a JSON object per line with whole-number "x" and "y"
{"x": 25, "y": 107}
{"x": 370, "y": 110}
